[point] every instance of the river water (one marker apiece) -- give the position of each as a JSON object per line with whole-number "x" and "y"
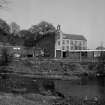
{"x": 82, "y": 88}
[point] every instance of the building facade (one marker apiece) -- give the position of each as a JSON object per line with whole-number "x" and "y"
{"x": 68, "y": 42}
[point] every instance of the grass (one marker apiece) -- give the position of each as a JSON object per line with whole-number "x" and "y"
{"x": 27, "y": 99}
{"x": 37, "y": 99}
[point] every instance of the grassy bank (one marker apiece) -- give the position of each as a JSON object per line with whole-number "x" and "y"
{"x": 37, "y": 99}
{"x": 47, "y": 69}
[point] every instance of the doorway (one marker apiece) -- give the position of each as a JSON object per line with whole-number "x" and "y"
{"x": 64, "y": 54}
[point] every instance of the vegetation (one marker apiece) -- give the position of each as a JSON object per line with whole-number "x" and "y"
{"x": 27, "y": 37}
{"x": 3, "y": 3}
{"x": 101, "y": 63}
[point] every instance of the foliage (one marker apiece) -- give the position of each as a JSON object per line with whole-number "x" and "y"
{"x": 101, "y": 62}
{"x": 4, "y": 31}
{"x": 46, "y": 27}
{"x": 24, "y": 33}
{"x": 102, "y": 57}
{"x": 4, "y": 26}
{"x": 41, "y": 29}
{"x": 48, "y": 84}
{"x": 28, "y": 37}
{"x": 4, "y": 56}
{"x": 3, "y": 3}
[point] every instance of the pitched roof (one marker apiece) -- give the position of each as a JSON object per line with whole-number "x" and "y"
{"x": 100, "y": 48}
{"x": 74, "y": 37}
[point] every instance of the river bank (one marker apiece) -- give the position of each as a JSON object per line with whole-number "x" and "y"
{"x": 37, "y": 99}
{"x": 24, "y": 91}
{"x": 46, "y": 69}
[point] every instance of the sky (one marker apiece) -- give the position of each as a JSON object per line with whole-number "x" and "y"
{"x": 84, "y": 17}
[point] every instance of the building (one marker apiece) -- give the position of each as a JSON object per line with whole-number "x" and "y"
{"x": 14, "y": 28}
{"x": 66, "y": 43}
{"x": 59, "y": 45}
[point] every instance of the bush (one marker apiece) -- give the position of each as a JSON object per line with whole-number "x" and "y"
{"x": 48, "y": 85}
{"x": 4, "y": 57}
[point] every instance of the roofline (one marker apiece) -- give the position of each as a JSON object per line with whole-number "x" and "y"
{"x": 76, "y": 39}
{"x": 85, "y": 50}
{"x": 77, "y": 35}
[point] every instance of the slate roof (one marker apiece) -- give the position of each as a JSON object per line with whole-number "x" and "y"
{"x": 100, "y": 48}
{"x": 74, "y": 37}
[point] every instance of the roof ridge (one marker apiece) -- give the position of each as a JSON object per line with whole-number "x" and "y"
{"x": 75, "y": 36}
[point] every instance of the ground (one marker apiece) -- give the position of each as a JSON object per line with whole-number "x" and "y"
{"x": 37, "y": 99}
{"x": 45, "y": 69}
{"x": 26, "y": 99}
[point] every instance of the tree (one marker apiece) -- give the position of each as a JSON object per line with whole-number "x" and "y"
{"x": 4, "y": 31}
{"x": 101, "y": 62}
{"x": 24, "y": 33}
{"x": 27, "y": 37}
{"x": 34, "y": 29}
{"x": 4, "y": 26}
{"x": 46, "y": 27}
{"x": 42, "y": 28}
{"x": 14, "y": 28}
{"x": 4, "y": 56}
{"x": 3, "y": 3}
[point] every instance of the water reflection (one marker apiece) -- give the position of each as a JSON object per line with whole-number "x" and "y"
{"x": 81, "y": 88}
{"x": 85, "y": 87}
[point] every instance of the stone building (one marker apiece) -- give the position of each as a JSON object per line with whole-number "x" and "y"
{"x": 66, "y": 43}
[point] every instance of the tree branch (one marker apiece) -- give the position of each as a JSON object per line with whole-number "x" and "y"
{"x": 3, "y": 3}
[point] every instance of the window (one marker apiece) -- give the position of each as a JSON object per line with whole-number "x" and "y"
{"x": 58, "y": 36}
{"x": 80, "y": 44}
{"x": 63, "y": 42}
{"x": 63, "y": 47}
{"x": 71, "y": 42}
{"x": 84, "y": 43}
{"x": 67, "y": 41}
{"x": 71, "y": 47}
{"x": 58, "y": 43}
{"x": 67, "y": 47}
{"x": 75, "y": 42}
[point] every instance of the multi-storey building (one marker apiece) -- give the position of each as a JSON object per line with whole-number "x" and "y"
{"x": 68, "y": 42}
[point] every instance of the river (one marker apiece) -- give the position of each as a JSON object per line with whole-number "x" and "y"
{"x": 85, "y": 87}
{"x": 81, "y": 88}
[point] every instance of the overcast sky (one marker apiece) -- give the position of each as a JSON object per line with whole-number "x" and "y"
{"x": 86, "y": 17}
